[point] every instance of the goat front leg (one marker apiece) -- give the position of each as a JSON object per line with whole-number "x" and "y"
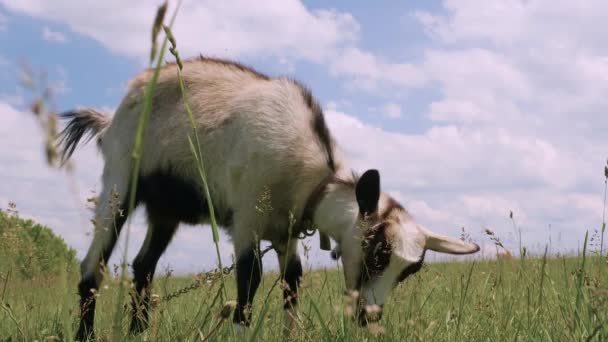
{"x": 291, "y": 275}
{"x": 248, "y": 277}
{"x": 159, "y": 235}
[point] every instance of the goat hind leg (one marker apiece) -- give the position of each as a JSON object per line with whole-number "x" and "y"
{"x": 109, "y": 219}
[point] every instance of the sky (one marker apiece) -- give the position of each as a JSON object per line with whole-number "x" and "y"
{"x": 469, "y": 109}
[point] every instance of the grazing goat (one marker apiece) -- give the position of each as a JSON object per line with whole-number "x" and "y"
{"x": 259, "y": 137}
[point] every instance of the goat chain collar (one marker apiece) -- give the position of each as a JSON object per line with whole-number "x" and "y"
{"x": 306, "y": 227}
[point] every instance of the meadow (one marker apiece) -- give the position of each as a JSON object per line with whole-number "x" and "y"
{"x": 520, "y": 299}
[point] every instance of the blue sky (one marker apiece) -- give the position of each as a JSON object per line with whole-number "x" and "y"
{"x": 469, "y": 109}
{"x": 27, "y": 42}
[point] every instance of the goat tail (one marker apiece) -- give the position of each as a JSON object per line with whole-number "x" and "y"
{"x": 83, "y": 121}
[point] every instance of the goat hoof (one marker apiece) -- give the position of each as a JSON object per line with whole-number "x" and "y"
{"x": 83, "y": 336}
{"x": 137, "y": 327}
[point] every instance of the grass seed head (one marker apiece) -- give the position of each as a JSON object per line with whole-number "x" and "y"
{"x": 227, "y": 309}
{"x": 155, "y": 300}
{"x": 158, "y": 22}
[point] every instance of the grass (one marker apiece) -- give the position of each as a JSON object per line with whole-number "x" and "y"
{"x": 549, "y": 298}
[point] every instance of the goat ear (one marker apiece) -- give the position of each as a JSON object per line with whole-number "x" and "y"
{"x": 368, "y": 192}
{"x": 411, "y": 240}
{"x": 445, "y": 244}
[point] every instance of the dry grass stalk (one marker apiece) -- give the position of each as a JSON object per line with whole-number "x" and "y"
{"x": 43, "y": 95}
{"x": 501, "y": 251}
{"x": 158, "y": 23}
{"x": 222, "y": 316}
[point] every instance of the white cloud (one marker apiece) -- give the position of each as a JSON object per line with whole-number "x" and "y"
{"x": 235, "y": 28}
{"x": 392, "y": 110}
{"x": 520, "y": 24}
{"x": 450, "y": 177}
{"x": 481, "y": 81}
{"x": 538, "y": 85}
{"x": 535, "y": 66}
{"x": 283, "y": 29}
{"x": 53, "y": 36}
{"x": 370, "y": 72}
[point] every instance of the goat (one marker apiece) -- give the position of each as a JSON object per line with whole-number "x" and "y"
{"x": 259, "y": 136}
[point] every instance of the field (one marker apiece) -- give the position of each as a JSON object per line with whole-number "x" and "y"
{"x": 549, "y": 299}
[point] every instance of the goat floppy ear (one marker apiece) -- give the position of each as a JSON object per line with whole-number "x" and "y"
{"x": 449, "y": 245}
{"x": 411, "y": 240}
{"x": 368, "y": 192}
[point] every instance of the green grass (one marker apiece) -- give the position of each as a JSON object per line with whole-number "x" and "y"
{"x": 29, "y": 249}
{"x": 554, "y": 299}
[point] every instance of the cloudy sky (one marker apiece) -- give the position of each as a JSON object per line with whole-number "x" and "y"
{"x": 470, "y": 109}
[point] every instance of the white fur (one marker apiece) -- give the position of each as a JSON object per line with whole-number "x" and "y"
{"x": 255, "y": 136}
{"x": 376, "y": 291}
{"x": 256, "y": 140}
{"x": 407, "y": 249}
{"x": 409, "y": 242}
{"x": 336, "y": 216}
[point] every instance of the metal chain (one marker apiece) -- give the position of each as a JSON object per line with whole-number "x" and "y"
{"x": 206, "y": 277}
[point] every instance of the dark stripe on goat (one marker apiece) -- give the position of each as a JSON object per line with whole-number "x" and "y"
{"x": 411, "y": 269}
{"x": 318, "y": 123}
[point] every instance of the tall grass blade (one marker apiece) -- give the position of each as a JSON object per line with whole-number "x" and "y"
{"x": 463, "y": 296}
{"x": 324, "y": 327}
{"x": 579, "y": 284}
{"x": 136, "y": 158}
{"x": 604, "y": 210}
{"x": 195, "y": 148}
{"x": 258, "y": 325}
